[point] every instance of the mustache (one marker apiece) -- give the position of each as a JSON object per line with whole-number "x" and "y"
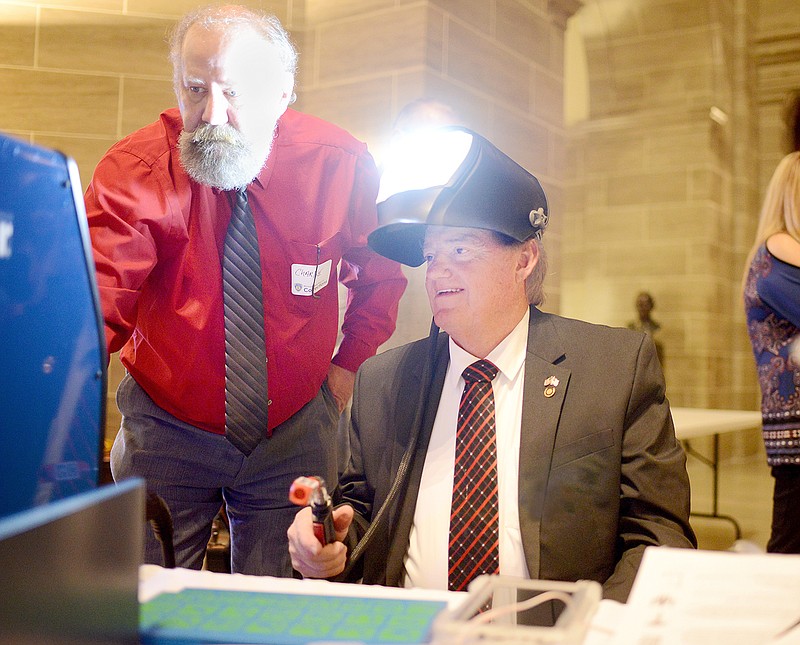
{"x": 225, "y": 133}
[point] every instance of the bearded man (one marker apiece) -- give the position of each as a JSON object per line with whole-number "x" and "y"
{"x": 170, "y": 209}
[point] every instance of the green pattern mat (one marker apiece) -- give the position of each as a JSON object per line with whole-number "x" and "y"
{"x": 214, "y": 616}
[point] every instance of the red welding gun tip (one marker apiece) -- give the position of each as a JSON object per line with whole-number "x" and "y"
{"x": 301, "y": 490}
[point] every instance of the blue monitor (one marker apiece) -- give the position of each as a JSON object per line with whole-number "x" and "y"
{"x": 52, "y": 350}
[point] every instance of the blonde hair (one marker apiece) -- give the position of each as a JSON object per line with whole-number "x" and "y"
{"x": 534, "y": 284}
{"x": 780, "y": 212}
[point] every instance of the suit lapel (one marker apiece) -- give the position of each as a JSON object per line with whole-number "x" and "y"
{"x": 540, "y": 416}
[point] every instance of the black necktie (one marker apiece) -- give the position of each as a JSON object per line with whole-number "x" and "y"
{"x": 245, "y": 350}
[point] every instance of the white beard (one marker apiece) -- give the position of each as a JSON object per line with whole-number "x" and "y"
{"x": 218, "y": 156}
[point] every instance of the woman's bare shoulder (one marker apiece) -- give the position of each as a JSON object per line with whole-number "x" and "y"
{"x": 784, "y": 247}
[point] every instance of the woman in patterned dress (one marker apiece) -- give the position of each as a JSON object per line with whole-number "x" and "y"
{"x": 772, "y": 305}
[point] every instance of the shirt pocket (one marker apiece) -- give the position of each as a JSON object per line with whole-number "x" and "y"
{"x": 313, "y": 273}
{"x": 583, "y": 447}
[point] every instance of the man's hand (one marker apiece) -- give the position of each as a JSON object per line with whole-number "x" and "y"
{"x": 341, "y": 383}
{"x": 309, "y": 557}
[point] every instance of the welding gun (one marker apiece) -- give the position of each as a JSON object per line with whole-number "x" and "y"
{"x": 311, "y": 491}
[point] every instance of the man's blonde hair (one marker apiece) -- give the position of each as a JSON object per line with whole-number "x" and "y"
{"x": 534, "y": 283}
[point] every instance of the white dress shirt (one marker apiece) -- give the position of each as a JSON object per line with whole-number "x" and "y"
{"x": 427, "y": 557}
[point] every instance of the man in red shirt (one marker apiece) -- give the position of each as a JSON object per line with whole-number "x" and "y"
{"x": 159, "y": 206}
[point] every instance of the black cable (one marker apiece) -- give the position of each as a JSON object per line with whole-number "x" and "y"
{"x": 401, "y": 476}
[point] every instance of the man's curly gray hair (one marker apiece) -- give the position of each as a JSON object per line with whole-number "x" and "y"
{"x": 231, "y": 18}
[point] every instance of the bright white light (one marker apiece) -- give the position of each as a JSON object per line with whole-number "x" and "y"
{"x": 422, "y": 160}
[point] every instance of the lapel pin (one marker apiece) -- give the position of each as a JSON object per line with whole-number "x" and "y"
{"x": 550, "y": 384}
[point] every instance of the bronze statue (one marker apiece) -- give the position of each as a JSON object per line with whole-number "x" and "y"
{"x": 644, "y": 308}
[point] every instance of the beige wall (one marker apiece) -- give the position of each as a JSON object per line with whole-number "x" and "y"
{"x": 500, "y": 65}
{"x": 651, "y": 192}
{"x": 666, "y": 165}
{"x": 776, "y": 51}
{"x": 78, "y": 75}
{"x": 653, "y": 181}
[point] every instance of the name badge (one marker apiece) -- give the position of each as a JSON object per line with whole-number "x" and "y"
{"x": 308, "y": 279}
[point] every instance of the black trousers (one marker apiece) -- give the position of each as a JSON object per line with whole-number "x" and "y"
{"x": 785, "y": 536}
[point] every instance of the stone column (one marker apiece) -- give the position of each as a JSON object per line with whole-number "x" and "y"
{"x": 499, "y": 64}
{"x": 660, "y": 174}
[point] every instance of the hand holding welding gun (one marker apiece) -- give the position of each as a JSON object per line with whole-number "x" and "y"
{"x": 316, "y": 549}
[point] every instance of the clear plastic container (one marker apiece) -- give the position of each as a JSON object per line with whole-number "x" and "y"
{"x": 508, "y": 610}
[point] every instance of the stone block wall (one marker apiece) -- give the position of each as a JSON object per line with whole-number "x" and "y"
{"x": 664, "y": 190}
{"x": 78, "y": 75}
{"x": 657, "y": 190}
{"x": 499, "y": 65}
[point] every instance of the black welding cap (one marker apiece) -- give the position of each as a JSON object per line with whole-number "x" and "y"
{"x": 452, "y": 176}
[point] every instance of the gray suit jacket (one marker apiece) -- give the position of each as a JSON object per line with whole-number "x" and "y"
{"x": 601, "y": 475}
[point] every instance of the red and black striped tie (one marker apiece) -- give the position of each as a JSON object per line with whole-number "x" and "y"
{"x": 474, "y": 523}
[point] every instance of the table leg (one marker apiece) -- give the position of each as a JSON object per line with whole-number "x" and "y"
{"x": 712, "y": 463}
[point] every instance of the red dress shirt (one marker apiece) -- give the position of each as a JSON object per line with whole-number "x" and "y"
{"x": 157, "y": 238}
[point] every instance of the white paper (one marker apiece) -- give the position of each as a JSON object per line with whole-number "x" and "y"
{"x": 687, "y": 597}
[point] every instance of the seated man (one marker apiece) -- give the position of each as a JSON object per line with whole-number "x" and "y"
{"x": 579, "y": 469}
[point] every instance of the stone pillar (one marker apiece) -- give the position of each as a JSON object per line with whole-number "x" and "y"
{"x": 658, "y": 184}
{"x": 499, "y": 64}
